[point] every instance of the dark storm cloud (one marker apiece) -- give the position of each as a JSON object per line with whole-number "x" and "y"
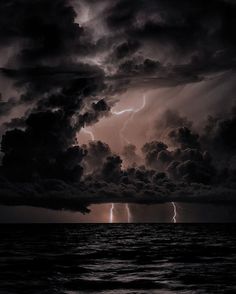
{"x": 196, "y": 157}
{"x": 44, "y": 29}
{"x": 185, "y": 138}
{"x": 96, "y": 154}
{"x": 152, "y": 150}
{"x": 44, "y": 147}
{"x": 42, "y": 150}
{"x": 151, "y": 74}
{"x": 62, "y": 92}
{"x": 199, "y": 33}
{"x": 97, "y": 110}
{"x": 130, "y": 157}
{"x": 172, "y": 119}
{"x": 186, "y": 26}
{"x": 6, "y": 106}
{"x": 15, "y": 123}
{"x": 184, "y": 174}
{"x": 132, "y": 188}
{"x": 125, "y": 49}
{"x": 80, "y": 78}
{"x": 47, "y": 43}
{"x": 111, "y": 170}
{"x": 221, "y": 133}
{"x": 52, "y": 65}
{"x": 190, "y": 165}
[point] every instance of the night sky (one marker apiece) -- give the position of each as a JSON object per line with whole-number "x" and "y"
{"x": 125, "y": 108}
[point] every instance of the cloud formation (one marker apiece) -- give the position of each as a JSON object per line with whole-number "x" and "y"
{"x": 92, "y": 174}
{"x": 69, "y": 68}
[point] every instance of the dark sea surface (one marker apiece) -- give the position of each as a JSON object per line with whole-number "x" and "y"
{"x": 119, "y": 258}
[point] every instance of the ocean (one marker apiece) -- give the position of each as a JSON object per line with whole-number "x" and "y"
{"x": 118, "y": 258}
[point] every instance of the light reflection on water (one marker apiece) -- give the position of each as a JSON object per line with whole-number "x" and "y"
{"x": 118, "y": 258}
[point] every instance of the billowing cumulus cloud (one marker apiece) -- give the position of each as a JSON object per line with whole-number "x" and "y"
{"x": 69, "y": 61}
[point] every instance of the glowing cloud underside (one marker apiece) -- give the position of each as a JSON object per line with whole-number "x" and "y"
{"x": 133, "y": 111}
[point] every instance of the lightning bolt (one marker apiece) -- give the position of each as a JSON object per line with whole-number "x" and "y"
{"x": 90, "y": 133}
{"x": 130, "y": 118}
{"x": 128, "y": 212}
{"x": 133, "y": 112}
{"x": 174, "y": 218}
{"x": 122, "y": 111}
{"x": 111, "y": 213}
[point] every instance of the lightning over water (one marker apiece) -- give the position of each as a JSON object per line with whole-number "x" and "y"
{"x": 91, "y": 134}
{"x": 174, "y": 219}
{"x": 133, "y": 111}
{"x": 129, "y": 216}
{"x": 111, "y": 217}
